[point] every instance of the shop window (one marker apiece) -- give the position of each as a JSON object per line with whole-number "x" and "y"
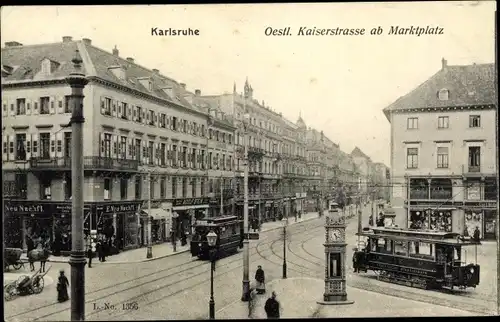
{"x": 123, "y": 188}
{"x": 67, "y": 188}
{"x": 440, "y": 220}
{"x": 45, "y": 188}
{"x": 490, "y": 189}
{"x": 473, "y": 219}
{"x": 108, "y": 184}
{"x": 441, "y": 189}
{"x": 138, "y": 187}
{"x": 335, "y": 265}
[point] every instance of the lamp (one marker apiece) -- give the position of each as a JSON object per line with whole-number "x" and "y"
{"x": 285, "y": 224}
{"x": 212, "y": 242}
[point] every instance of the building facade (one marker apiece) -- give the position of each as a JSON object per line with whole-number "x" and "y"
{"x": 150, "y": 143}
{"x": 443, "y": 152}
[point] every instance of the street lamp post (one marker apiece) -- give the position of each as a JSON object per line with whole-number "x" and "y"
{"x": 285, "y": 224}
{"x": 77, "y": 82}
{"x": 246, "y": 252}
{"x": 212, "y": 242}
{"x": 149, "y": 249}
{"x": 175, "y": 215}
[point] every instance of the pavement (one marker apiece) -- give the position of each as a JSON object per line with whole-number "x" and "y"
{"x": 166, "y": 249}
{"x": 298, "y": 298}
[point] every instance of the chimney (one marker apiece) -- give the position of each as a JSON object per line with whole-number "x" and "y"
{"x": 130, "y": 59}
{"x": 87, "y": 41}
{"x": 155, "y": 71}
{"x": 115, "y": 51}
{"x": 444, "y": 63}
{"x": 67, "y": 38}
{"x": 197, "y": 92}
{"x": 13, "y": 44}
{"x": 183, "y": 85}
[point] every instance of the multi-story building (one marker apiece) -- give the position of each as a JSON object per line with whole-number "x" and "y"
{"x": 365, "y": 166}
{"x": 262, "y": 127}
{"x": 220, "y": 157}
{"x": 443, "y": 151}
{"x": 142, "y": 138}
{"x": 380, "y": 180}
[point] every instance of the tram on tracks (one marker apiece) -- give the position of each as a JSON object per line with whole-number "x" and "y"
{"x": 229, "y": 236}
{"x": 416, "y": 258}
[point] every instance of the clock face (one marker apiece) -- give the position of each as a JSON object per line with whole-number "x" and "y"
{"x": 335, "y": 235}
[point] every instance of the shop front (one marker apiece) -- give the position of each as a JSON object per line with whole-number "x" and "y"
{"x": 160, "y": 222}
{"x": 431, "y": 219}
{"x": 188, "y": 210}
{"x": 481, "y": 215}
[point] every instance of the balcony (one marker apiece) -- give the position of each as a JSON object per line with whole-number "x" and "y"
{"x": 12, "y": 189}
{"x": 89, "y": 163}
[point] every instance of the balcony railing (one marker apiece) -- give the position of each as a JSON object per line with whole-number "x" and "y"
{"x": 419, "y": 194}
{"x": 441, "y": 194}
{"x": 474, "y": 169}
{"x": 12, "y": 189}
{"x": 89, "y": 163}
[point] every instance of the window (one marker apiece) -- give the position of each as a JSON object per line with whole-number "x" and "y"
{"x": 174, "y": 187}
{"x": 138, "y": 187}
{"x": 174, "y": 123}
{"x": 412, "y": 158}
{"x": 443, "y": 94}
{"x": 107, "y": 188}
{"x": 202, "y": 187}
{"x": 400, "y": 248}
{"x": 44, "y": 105}
{"x": 184, "y": 126}
{"x": 412, "y": 123}
{"x": 203, "y": 159}
{"x": 67, "y": 188}
{"x": 162, "y": 188}
{"x": 107, "y": 145}
{"x": 107, "y": 106}
{"x": 152, "y": 188}
{"x": 151, "y": 117}
{"x": 174, "y": 156}
{"x": 123, "y": 147}
{"x": 203, "y": 130}
{"x": 45, "y": 188}
{"x": 193, "y": 188}
{"x": 139, "y": 114}
{"x": 150, "y": 152}
{"x": 184, "y": 187}
{"x": 123, "y": 188}
{"x": 44, "y": 145}
{"x": 184, "y": 157}
{"x": 474, "y": 158}
{"x": 21, "y": 146}
{"x": 124, "y": 111}
{"x": 443, "y": 122}
{"x": 138, "y": 143}
{"x": 21, "y": 180}
{"x": 163, "y": 148}
{"x": 163, "y": 124}
{"x": 21, "y": 106}
{"x": 442, "y": 157}
{"x": 474, "y": 121}
{"x": 150, "y": 86}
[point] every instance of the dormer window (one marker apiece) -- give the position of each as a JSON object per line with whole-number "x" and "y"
{"x": 150, "y": 86}
{"x": 443, "y": 94}
{"x": 118, "y": 71}
{"x": 146, "y": 82}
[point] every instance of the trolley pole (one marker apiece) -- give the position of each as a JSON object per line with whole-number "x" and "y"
{"x": 77, "y": 82}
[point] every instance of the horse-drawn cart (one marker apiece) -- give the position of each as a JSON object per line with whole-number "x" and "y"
{"x": 12, "y": 257}
{"x": 25, "y": 285}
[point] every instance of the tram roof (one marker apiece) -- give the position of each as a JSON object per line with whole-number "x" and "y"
{"x": 217, "y": 221}
{"x": 433, "y": 237}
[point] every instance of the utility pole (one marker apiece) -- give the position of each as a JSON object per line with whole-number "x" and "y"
{"x": 221, "y": 197}
{"x": 407, "y": 201}
{"x": 246, "y": 251}
{"x": 497, "y": 170}
{"x": 149, "y": 249}
{"x": 77, "y": 82}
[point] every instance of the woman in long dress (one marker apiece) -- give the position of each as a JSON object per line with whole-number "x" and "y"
{"x": 62, "y": 287}
{"x": 261, "y": 280}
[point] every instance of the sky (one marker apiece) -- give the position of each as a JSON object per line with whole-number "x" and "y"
{"x": 339, "y": 84}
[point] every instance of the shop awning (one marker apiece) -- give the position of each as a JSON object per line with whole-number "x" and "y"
{"x": 190, "y": 207}
{"x": 156, "y": 213}
{"x": 422, "y": 207}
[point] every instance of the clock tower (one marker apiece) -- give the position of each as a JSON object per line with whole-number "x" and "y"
{"x": 335, "y": 257}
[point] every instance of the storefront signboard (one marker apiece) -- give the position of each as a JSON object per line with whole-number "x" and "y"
{"x": 190, "y": 202}
{"x": 118, "y": 208}
{"x": 30, "y": 207}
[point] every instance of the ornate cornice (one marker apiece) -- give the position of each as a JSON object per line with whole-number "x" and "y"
{"x": 444, "y": 109}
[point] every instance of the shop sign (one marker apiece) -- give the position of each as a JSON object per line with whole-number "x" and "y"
{"x": 190, "y": 202}
{"x": 482, "y": 204}
{"x": 26, "y": 208}
{"x": 118, "y": 208}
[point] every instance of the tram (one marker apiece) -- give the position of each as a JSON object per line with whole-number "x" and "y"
{"x": 229, "y": 236}
{"x": 416, "y": 258}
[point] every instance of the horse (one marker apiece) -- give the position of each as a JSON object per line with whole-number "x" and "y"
{"x": 39, "y": 254}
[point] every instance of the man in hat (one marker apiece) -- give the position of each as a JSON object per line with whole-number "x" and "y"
{"x": 272, "y": 307}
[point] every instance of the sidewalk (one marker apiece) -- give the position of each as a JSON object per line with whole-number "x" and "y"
{"x": 165, "y": 250}
{"x": 298, "y": 298}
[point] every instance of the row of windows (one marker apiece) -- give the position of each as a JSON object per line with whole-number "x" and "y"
{"x": 444, "y": 122}
{"x": 44, "y": 145}
{"x": 43, "y": 105}
{"x": 443, "y": 158}
{"x": 136, "y": 113}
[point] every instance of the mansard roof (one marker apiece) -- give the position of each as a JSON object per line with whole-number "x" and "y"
{"x": 467, "y": 85}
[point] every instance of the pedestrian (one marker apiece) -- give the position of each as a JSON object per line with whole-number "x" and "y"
{"x": 90, "y": 255}
{"x": 272, "y": 307}
{"x": 100, "y": 250}
{"x": 476, "y": 236}
{"x": 62, "y": 287}
{"x": 355, "y": 260}
{"x": 252, "y": 299}
{"x": 260, "y": 278}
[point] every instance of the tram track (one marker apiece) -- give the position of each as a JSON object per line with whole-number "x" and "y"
{"x": 44, "y": 311}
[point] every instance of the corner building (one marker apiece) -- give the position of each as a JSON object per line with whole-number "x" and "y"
{"x": 443, "y": 152}
{"x": 142, "y": 137}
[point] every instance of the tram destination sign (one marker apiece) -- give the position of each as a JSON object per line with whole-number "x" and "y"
{"x": 403, "y": 269}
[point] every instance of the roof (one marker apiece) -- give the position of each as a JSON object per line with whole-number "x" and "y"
{"x": 468, "y": 85}
{"x": 96, "y": 62}
{"x": 358, "y": 153}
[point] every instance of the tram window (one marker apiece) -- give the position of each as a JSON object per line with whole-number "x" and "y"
{"x": 233, "y": 229}
{"x": 388, "y": 246}
{"x": 381, "y": 245}
{"x": 400, "y": 247}
{"x": 374, "y": 244}
{"x": 425, "y": 249}
{"x": 413, "y": 248}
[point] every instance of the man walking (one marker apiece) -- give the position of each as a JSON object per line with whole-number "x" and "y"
{"x": 272, "y": 307}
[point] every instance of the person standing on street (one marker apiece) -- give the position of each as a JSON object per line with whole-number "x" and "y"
{"x": 272, "y": 307}
{"x": 261, "y": 280}
{"x": 476, "y": 236}
{"x": 252, "y": 299}
{"x": 89, "y": 255}
{"x": 62, "y": 287}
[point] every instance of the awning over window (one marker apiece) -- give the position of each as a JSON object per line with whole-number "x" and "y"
{"x": 156, "y": 213}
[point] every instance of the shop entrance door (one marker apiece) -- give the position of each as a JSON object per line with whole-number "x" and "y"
{"x": 490, "y": 222}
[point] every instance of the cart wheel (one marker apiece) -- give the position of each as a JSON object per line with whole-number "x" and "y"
{"x": 18, "y": 265}
{"x": 37, "y": 285}
{"x": 9, "y": 292}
